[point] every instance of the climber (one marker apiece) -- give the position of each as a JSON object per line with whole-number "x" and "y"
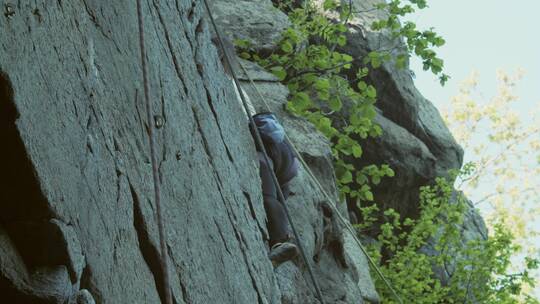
{"x": 282, "y": 162}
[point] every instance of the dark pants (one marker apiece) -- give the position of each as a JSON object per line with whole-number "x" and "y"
{"x": 278, "y": 225}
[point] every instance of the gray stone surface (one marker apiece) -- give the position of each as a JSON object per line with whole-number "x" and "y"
{"x": 40, "y": 285}
{"x": 84, "y": 297}
{"x": 401, "y": 103}
{"x": 72, "y": 102}
{"x": 77, "y": 221}
{"x": 412, "y": 161}
{"x": 365, "y": 283}
{"x": 257, "y": 21}
{"x": 71, "y": 249}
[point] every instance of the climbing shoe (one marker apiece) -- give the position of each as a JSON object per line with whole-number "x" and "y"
{"x": 282, "y": 252}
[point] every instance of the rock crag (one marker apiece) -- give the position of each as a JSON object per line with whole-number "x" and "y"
{"x": 77, "y": 221}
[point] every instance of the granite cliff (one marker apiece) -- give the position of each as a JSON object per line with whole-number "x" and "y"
{"x": 77, "y": 222}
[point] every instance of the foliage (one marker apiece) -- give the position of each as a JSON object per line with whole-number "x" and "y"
{"x": 504, "y": 146}
{"x": 420, "y": 43}
{"x": 479, "y": 268}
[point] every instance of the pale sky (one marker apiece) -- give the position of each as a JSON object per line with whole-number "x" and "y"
{"x": 482, "y": 35}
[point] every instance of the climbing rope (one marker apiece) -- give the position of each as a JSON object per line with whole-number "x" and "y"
{"x": 157, "y": 192}
{"x": 260, "y": 144}
{"x": 323, "y": 191}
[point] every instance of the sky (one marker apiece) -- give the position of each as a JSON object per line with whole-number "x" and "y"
{"x": 483, "y": 36}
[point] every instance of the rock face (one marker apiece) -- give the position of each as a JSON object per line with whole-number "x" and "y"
{"x": 77, "y": 218}
{"x": 256, "y": 21}
{"x": 77, "y": 213}
{"x": 415, "y": 142}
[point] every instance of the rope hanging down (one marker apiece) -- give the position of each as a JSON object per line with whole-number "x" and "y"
{"x": 157, "y": 196}
{"x": 327, "y": 196}
{"x": 260, "y": 144}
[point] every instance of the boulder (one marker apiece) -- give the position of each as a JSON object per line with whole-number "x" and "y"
{"x": 256, "y": 21}
{"x": 412, "y": 161}
{"x": 398, "y": 98}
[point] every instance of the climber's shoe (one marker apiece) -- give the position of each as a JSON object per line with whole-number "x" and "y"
{"x": 282, "y": 252}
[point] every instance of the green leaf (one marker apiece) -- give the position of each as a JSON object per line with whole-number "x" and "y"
{"x": 375, "y": 131}
{"x": 368, "y": 195}
{"x": 361, "y": 179}
{"x": 436, "y": 65}
{"x": 291, "y": 108}
{"x": 342, "y": 40}
{"x": 401, "y": 61}
{"x": 341, "y": 28}
{"x": 279, "y": 72}
{"x": 301, "y": 101}
{"x": 362, "y": 86}
{"x": 443, "y": 79}
{"x": 357, "y": 151}
{"x": 325, "y": 126}
{"x": 242, "y": 43}
{"x": 376, "y": 62}
{"x": 439, "y": 41}
{"x": 287, "y": 47}
{"x": 370, "y": 113}
{"x": 335, "y": 104}
{"x": 322, "y": 84}
{"x": 310, "y": 78}
{"x": 363, "y": 72}
{"x": 329, "y": 4}
{"x": 323, "y": 95}
{"x": 421, "y": 4}
{"x": 346, "y": 178}
{"x": 293, "y": 86}
{"x": 245, "y": 55}
{"x": 371, "y": 92}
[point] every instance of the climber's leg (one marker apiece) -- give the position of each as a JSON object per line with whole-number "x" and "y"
{"x": 277, "y": 220}
{"x": 281, "y": 249}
